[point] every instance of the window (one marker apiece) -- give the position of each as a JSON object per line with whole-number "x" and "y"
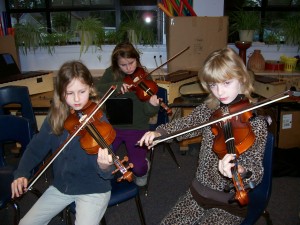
{"x": 59, "y": 16}
{"x": 272, "y": 13}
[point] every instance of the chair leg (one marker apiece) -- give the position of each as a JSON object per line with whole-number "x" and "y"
{"x": 140, "y": 209}
{"x": 167, "y": 145}
{"x": 266, "y": 215}
{"x": 150, "y": 171}
{"x": 16, "y": 208}
{"x": 103, "y": 221}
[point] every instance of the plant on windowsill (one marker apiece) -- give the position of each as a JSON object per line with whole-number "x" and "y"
{"x": 91, "y": 32}
{"x": 136, "y": 31}
{"x": 27, "y": 37}
{"x": 246, "y": 23}
{"x": 291, "y": 30}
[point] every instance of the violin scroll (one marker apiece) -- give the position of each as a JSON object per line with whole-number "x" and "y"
{"x": 241, "y": 194}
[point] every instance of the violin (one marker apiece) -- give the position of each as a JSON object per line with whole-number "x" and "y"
{"x": 97, "y": 133}
{"x": 234, "y": 136}
{"x": 143, "y": 87}
{"x": 236, "y": 129}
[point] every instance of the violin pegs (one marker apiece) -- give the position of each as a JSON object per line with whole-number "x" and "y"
{"x": 246, "y": 175}
{"x": 125, "y": 159}
{"x": 130, "y": 165}
{"x": 251, "y": 185}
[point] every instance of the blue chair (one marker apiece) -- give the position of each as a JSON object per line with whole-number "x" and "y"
{"x": 121, "y": 192}
{"x": 260, "y": 195}
{"x": 18, "y": 95}
{"x": 162, "y": 118}
{"x": 12, "y": 128}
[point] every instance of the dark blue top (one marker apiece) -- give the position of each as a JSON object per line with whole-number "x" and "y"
{"x": 75, "y": 171}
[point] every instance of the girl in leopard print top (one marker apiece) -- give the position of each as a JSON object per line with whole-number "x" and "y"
{"x": 225, "y": 77}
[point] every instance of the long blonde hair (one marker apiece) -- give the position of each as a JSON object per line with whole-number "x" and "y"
{"x": 59, "y": 110}
{"x": 222, "y": 65}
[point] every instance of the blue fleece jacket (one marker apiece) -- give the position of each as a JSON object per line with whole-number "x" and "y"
{"x": 75, "y": 172}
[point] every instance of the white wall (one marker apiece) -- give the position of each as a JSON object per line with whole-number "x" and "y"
{"x": 209, "y": 7}
{"x": 94, "y": 59}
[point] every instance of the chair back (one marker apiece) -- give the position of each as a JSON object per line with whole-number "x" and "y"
{"x": 260, "y": 195}
{"x": 162, "y": 116}
{"x": 18, "y": 95}
{"x": 119, "y": 111}
{"x": 13, "y": 129}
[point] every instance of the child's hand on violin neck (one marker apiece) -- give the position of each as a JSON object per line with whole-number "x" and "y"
{"x": 125, "y": 87}
{"x": 226, "y": 164}
{"x": 104, "y": 159}
{"x": 154, "y": 100}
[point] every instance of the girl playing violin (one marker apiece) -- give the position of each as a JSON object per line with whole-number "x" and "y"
{"x": 124, "y": 62}
{"x": 78, "y": 176}
{"x": 225, "y": 77}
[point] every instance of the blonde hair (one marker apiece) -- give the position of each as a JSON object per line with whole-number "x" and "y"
{"x": 59, "y": 110}
{"x": 222, "y": 65}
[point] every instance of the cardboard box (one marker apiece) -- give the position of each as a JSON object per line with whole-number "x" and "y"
{"x": 202, "y": 34}
{"x": 288, "y": 136}
{"x": 8, "y": 45}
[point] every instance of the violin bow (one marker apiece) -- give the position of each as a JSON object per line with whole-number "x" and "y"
{"x": 284, "y": 95}
{"x": 51, "y": 159}
{"x": 175, "y": 56}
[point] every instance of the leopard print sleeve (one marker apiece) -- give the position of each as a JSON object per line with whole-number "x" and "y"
{"x": 198, "y": 116}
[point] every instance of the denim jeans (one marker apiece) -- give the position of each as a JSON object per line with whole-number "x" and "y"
{"x": 90, "y": 208}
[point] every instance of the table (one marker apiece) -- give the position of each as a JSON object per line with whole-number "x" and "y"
{"x": 187, "y": 104}
{"x": 268, "y": 83}
{"x": 285, "y": 113}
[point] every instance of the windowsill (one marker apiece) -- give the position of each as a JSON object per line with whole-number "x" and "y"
{"x": 151, "y": 56}
{"x": 270, "y": 52}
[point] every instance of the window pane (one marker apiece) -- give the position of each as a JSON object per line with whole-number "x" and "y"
{"x": 253, "y": 3}
{"x": 137, "y": 2}
{"x": 26, "y": 4}
{"x": 279, "y": 2}
{"x": 71, "y": 3}
{"x": 296, "y": 3}
{"x": 37, "y": 19}
{"x": 143, "y": 22}
{"x": 107, "y": 17}
{"x": 61, "y": 21}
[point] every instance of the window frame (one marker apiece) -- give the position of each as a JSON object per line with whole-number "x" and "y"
{"x": 117, "y": 8}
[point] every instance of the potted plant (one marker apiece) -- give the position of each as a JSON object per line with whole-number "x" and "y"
{"x": 136, "y": 31}
{"x": 31, "y": 37}
{"x": 291, "y": 30}
{"x": 28, "y": 37}
{"x": 246, "y": 23}
{"x": 91, "y": 32}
